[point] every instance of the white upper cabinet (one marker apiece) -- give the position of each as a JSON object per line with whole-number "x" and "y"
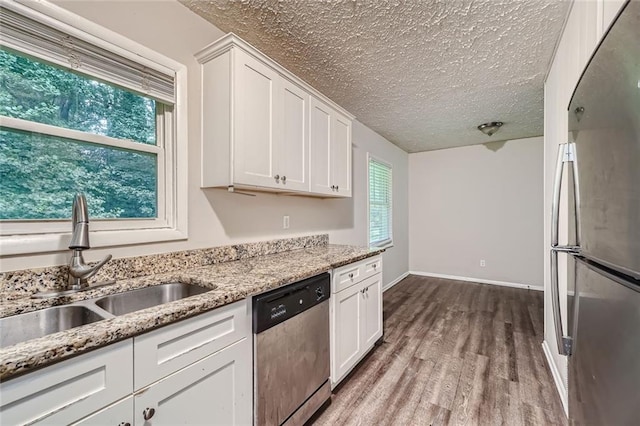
{"x": 330, "y": 138}
{"x": 341, "y": 154}
{"x": 255, "y": 112}
{"x": 259, "y": 130}
{"x": 293, "y": 143}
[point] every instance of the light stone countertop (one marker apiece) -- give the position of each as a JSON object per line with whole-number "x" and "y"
{"x": 230, "y": 282}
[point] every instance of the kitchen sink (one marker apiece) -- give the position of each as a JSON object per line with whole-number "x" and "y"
{"x": 135, "y": 300}
{"x": 31, "y": 325}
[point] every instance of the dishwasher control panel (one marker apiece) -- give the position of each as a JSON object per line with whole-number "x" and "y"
{"x": 278, "y": 305}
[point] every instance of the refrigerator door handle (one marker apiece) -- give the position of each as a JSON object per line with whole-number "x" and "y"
{"x": 563, "y": 343}
{"x": 555, "y": 203}
{"x": 566, "y": 154}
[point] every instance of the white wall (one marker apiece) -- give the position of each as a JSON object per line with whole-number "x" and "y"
{"x": 215, "y": 216}
{"x": 478, "y": 202}
{"x": 365, "y": 140}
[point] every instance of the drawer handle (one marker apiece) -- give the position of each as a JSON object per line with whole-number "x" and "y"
{"x": 351, "y": 275}
{"x": 375, "y": 265}
{"x": 284, "y": 179}
{"x": 124, "y": 424}
{"x": 148, "y": 413}
{"x": 277, "y": 177}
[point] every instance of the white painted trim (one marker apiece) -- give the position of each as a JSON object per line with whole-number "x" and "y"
{"x": 388, "y": 243}
{"x": 478, "y": 280}
{"x": 562, "y": 391}
{"x": 396, "y": 281}
{"x": 171, "y": 223}
{"x": 78, "y": 135}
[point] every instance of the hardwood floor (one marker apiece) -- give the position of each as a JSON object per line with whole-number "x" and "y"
{"x": 453, "y": 353}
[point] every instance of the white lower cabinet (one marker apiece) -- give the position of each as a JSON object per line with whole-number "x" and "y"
{"x": 356, "y": 314}
{"x": 348, "y": 306}
{"x": 216, "y": 390}
{"x": 372, "y": 296}
{"x": 118, "y": 414}
{"x": 195, "y": 371}
{"x": 70, "y": 390}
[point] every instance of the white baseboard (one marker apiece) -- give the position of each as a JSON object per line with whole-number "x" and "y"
{"x": 562, "y": 391}
{"x": 396, "y": 281}
{"x": 477, "y": 280}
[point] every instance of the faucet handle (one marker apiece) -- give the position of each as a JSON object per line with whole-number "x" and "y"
{"x": 99, "y": 265}
{"x": 80, "y": 272}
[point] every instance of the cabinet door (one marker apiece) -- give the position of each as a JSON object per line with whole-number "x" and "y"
{"x": 255, "y": 131}
{"x": 118, "y": 414}
{"x": 320, "y": 147}
{"x": 347, "y": 337}
{"x": 293, "y": 146}
{"x": 70, "y": 390}
{"x": 341, "y": 155}
{"x": 372, "y": 321}
{"x": 216, "y": 390}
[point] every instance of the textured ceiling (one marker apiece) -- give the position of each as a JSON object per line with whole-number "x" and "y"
{"x": 423, "y": 74}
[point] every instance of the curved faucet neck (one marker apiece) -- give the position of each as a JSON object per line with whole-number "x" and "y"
{"x": 79, "y": 224}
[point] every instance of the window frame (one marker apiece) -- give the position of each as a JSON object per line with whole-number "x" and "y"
{"x": 386, "y": 243}
{"x": 41, "y": 236}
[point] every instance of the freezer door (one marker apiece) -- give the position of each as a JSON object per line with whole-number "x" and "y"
{"x": 604, "y": 123}
{"x": 604, "y": 368}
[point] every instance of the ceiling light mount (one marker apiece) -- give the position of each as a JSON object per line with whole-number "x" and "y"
{"x": 490, "y": 128}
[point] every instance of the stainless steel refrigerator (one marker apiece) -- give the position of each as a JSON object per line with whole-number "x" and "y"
{"x": 601, "y": 166}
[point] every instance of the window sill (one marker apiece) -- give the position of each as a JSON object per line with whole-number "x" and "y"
{"x": 384, "y": 246}
{"x": 47, "y": 243}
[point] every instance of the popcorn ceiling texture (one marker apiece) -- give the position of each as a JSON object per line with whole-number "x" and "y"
{"x": 423, "y": 74}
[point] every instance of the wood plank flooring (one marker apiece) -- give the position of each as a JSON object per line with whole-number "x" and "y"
{"x": 453, "y": 353}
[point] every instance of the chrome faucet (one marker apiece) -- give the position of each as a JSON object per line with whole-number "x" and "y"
{"x": 79, "y": 271}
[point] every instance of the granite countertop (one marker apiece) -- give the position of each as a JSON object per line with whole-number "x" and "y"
{"x": 230, "y": 282}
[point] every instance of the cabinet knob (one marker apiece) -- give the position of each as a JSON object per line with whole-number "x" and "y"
{"x": 148, "y": 413}
{"x": 284, "y": 179}
{"x": 277, "y": 177}
{"x": 124, "y": 424}
{"x": 337, "y": 188}
{"x": 351, "y": 275}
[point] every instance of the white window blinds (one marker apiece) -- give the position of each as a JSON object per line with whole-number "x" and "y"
{"x": 380, "y": 232}
{"x": 69, "y": 48}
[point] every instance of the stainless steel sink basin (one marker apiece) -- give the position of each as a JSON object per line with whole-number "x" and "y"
{"x": 135, "y": 300}
{"x": 23, "y": 327}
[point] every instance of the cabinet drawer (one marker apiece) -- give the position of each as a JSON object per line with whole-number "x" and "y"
{"x": 166, "y": 350}
{"x": 69, "y": 390}
{"x": 348, "y": 275}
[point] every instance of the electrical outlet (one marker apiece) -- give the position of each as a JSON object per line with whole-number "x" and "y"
{"x": 483, "y": 263}
{"x": 285, "y": 222}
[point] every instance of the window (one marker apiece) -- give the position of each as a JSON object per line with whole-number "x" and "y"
{"x": 380, "y": 204}
{"x": 81, "y": 114}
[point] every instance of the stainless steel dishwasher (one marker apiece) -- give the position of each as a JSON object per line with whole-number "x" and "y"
{"x": 291, "y": 352}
